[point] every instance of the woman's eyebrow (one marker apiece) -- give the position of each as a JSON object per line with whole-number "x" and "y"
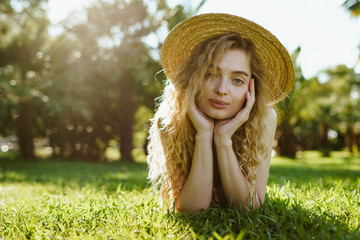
{"x": 238, "y": 72}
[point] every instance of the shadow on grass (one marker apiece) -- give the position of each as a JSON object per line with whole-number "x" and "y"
{"x": 104, "y": 176}
{"x": 277, "y": 219}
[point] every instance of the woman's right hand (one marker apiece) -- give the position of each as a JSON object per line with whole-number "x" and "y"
{"x": 202, "y": 123}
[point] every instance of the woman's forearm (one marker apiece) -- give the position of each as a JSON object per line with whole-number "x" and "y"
{"x": 235, "y": 185}
{"x": 197, "y": 191}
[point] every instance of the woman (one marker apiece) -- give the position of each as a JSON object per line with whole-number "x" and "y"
{"x": 212, "y": 134}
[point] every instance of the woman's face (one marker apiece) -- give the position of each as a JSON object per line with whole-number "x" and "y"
{"x": 224, "y": 89}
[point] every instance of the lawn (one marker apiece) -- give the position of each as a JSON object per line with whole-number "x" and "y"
{"x": 308, "y": 198}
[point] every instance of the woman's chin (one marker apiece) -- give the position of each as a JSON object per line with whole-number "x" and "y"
{"x": 219, "y": 117}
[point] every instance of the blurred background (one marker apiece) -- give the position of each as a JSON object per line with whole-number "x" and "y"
{"x": 78, "y": 78}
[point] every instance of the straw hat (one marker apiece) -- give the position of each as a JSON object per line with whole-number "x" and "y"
{"x": 188, "y": 34}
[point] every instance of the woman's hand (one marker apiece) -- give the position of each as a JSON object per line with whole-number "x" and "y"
{"x": 202, "y": 123}
{"x": 224, "y": 129}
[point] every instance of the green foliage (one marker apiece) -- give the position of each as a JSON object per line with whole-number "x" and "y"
{"x": 81, "y": 88}
{"x": 312, "y": 198}
{"x": 353, "y": 6}
{"x": 22, "y": 69}
{"x": 288, "y": 141}
{"x": 316, "y": 106}
{"x": 335, "y": 107}
{"x": 110, "y": 74}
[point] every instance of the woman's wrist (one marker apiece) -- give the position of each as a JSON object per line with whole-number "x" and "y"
{"x": 204, "y": 135}
{"x": 221, "y": 140}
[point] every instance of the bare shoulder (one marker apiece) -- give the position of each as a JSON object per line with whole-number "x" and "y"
{"x": 271, "y": 117}
{"x": 271, "y": 123}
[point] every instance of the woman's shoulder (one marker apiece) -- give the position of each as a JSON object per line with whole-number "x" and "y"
{"x": 271, "y": 116}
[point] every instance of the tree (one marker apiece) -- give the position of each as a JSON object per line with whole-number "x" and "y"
{"x": 115, "y": 62}
{"x": 345, "y": 102}
{"x": 24, "y": 30}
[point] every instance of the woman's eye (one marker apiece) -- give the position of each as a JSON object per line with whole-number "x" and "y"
{"x": 238, "y": 81}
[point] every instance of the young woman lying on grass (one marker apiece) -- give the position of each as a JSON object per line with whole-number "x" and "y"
{"x": 212, "y": 134}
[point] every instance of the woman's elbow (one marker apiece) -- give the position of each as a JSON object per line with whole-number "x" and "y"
{"x": 250, "y": 204}
{"x": 187, "y": 210}
{"x": 190, "y": 208}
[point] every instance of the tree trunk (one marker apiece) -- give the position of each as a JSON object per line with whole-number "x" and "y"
{"x": 324, "y": 142}
{"x": 24, "y": 125}
{"x": 127, "y": 107}
{"x": 349, "y": 139}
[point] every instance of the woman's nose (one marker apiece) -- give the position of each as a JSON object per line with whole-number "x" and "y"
{"x": 221, "y": 88}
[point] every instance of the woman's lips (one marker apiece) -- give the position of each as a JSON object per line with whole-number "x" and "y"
{"x": 217, "y": 103}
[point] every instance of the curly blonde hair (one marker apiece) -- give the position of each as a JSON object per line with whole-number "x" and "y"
{"x": 172, "y": 135}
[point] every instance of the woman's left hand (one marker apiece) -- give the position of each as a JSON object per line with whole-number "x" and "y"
{"x": 224, "y": 129}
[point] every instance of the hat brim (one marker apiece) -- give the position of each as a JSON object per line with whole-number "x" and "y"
{"x": 187, "y": 35}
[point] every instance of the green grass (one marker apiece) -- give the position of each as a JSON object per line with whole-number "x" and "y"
{"x": 311, "y": 198}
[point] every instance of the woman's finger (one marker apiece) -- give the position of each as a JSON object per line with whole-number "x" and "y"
{"x": 250, "y": 96}
{"x": 243, "y": 114}
{"x": 200, "y": 121}
{"x": 252, "y": 90}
